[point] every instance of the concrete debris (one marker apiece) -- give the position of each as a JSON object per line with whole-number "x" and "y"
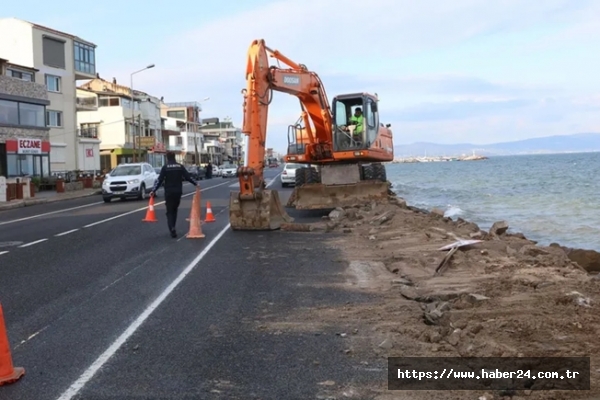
{"x": 499, "y": 228}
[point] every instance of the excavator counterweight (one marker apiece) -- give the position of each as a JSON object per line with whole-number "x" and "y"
{"x": 341, "y": 151}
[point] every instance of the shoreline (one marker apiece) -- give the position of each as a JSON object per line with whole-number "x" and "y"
{"x": 504, "y": 296}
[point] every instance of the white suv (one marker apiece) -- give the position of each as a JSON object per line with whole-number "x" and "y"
{"x": 129, "y": 180}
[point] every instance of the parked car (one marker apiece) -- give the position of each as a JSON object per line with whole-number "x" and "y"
{"x": 229, "y": 171}
{"x": 129, "y": 181}
{"x": 198, "y": 173}
{"x": 288, "y": 175}
{"x": 216, "y": 171}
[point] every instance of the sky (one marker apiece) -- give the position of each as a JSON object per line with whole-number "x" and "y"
{"x": 460, "y": 71}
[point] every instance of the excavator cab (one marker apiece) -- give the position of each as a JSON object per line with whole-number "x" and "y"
{"x": 347, "y": 109}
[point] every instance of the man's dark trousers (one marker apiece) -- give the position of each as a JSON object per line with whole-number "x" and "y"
{"x": 172, "y": 201}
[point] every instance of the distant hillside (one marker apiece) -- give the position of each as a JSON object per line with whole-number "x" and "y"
{"x": 581, "y": 142}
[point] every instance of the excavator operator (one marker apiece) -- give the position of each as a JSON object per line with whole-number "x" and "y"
{"x": 357, "y": 120}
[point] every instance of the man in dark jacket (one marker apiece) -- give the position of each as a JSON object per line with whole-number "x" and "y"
{"x": 209, "y": 170}
{"x": 173, "y": 175}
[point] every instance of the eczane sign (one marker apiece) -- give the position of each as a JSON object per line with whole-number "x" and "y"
{"x": 29, "y": 146}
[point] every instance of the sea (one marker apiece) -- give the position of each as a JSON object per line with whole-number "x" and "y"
{"x": 550, "y": 198}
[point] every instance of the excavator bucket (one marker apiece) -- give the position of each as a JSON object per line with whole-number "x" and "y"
{"x": 316, "y": 196}
{"x": 263, "y": 214}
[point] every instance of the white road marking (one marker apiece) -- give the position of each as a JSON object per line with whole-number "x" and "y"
{"x": 131, "y": 329}
{"x": 50, "y": 213}
{"x": 32, "y": 243}
{"x": 3, "y": 252}
{"x": 113, "y": 348}
{"x": 66, "y": 233}
{"x": 145, "y": 208}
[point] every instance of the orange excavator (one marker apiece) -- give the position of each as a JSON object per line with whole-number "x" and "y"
{"x": 342, "y": 155}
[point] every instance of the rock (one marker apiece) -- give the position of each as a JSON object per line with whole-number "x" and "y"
{"x": 499, "y": 228}
{"x": 347, "y": 230}
{"x": 351, "y": 213}
{"x": 385, "y": 217}
{"x": 542, "y": 285}
{"x": 436, "y": 212}
{"x": 402, "y": 281}
{"x": 454, "y": 337}
{"x": 531, "y": 250}
{"x": 386, "y": 344}
{"x": 587, "y": 259}
{"x": 435, "y": 337}
{"x": 338, "y": 213}
{"x": 409, "y": 293}
{"x": 372, "y": 237}
{"x": 435, "y": 313}
{"x": 474, "y": 297}
{"x": 477, "y": 235}
{"x": 400, "y": 202}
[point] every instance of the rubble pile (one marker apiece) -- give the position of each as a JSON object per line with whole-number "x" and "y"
{"x": 489, "y": 294}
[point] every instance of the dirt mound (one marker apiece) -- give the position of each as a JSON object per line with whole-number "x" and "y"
{"x": 503, "y": 296}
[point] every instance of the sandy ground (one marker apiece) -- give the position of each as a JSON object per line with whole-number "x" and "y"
{"x": 502, "y": 297}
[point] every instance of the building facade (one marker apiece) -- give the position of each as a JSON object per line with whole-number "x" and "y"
{"x": 225, "y": 139}
{"x": 190, "y": 142}
{"x": 24, "y": 137}
{"x": 128, "y": 131}
{"x": 59, "y": 59}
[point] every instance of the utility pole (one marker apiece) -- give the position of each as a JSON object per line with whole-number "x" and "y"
{"x": 139, "y": 132}
{"x": 133, "y": 109}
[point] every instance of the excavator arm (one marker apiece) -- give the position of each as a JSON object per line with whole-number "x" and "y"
{"x": 296, "y": 80}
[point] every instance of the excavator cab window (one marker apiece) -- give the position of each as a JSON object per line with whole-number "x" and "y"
{"x": 349, "y": 134}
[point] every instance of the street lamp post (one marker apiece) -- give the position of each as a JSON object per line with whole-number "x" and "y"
{"x": 133, "y": 111}
{"x": 196, "y": 138}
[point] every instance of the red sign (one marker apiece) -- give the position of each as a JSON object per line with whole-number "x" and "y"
{"x": 89, "y": 152}
{"x": 159, "y": 148}
{"x": 29, "y": 146}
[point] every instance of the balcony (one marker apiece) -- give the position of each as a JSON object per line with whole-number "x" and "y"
{"x": 88, "y": 133}
{"x": 85, "y": 60}
{"x": 174, "y": 147}
{"x": 171, "y": 130}
{"x": 87, "y": 104}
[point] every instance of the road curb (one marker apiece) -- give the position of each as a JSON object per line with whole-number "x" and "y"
{"x": 35, "y": 202}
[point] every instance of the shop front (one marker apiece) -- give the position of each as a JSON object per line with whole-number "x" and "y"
{"x": 156, "y": 155}
{"x": 26, "y": 156}
{"x": 110, "y": 158}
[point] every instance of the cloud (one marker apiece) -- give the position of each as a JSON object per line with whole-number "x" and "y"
{"x": 356, "y": 46}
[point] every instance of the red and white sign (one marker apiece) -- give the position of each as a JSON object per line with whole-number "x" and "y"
{"x": 89, "y": 152}
{"x": 29, "y": 146}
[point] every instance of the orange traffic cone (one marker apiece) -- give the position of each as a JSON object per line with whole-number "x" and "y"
{"x": 209, "y": 214}
{"x": 8, "y": 373}
{"x": 195, "y": 218}
{"x": 150, "y": 214}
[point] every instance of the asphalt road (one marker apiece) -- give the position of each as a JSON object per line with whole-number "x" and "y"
{"x": 100, "y": 305}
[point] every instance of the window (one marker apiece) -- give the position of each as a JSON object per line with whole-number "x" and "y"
{"x": 85, "y": 60}
{"x": 15, "y": 113}
{"x": 179, "y": 141}
{"x": 54, "y": 118}
{"x": 26, "y": 76}
{"x": 54, "y": 52}
{"x": 27, "y": 164}
{"x": 109, "y": 102}
{"x": 340, "y": 114}
{"x": 9, "y": 112}
{"x": 53, "y": 83}
{"x": 176, "y": 114}
{"x": 31, "y": 115}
